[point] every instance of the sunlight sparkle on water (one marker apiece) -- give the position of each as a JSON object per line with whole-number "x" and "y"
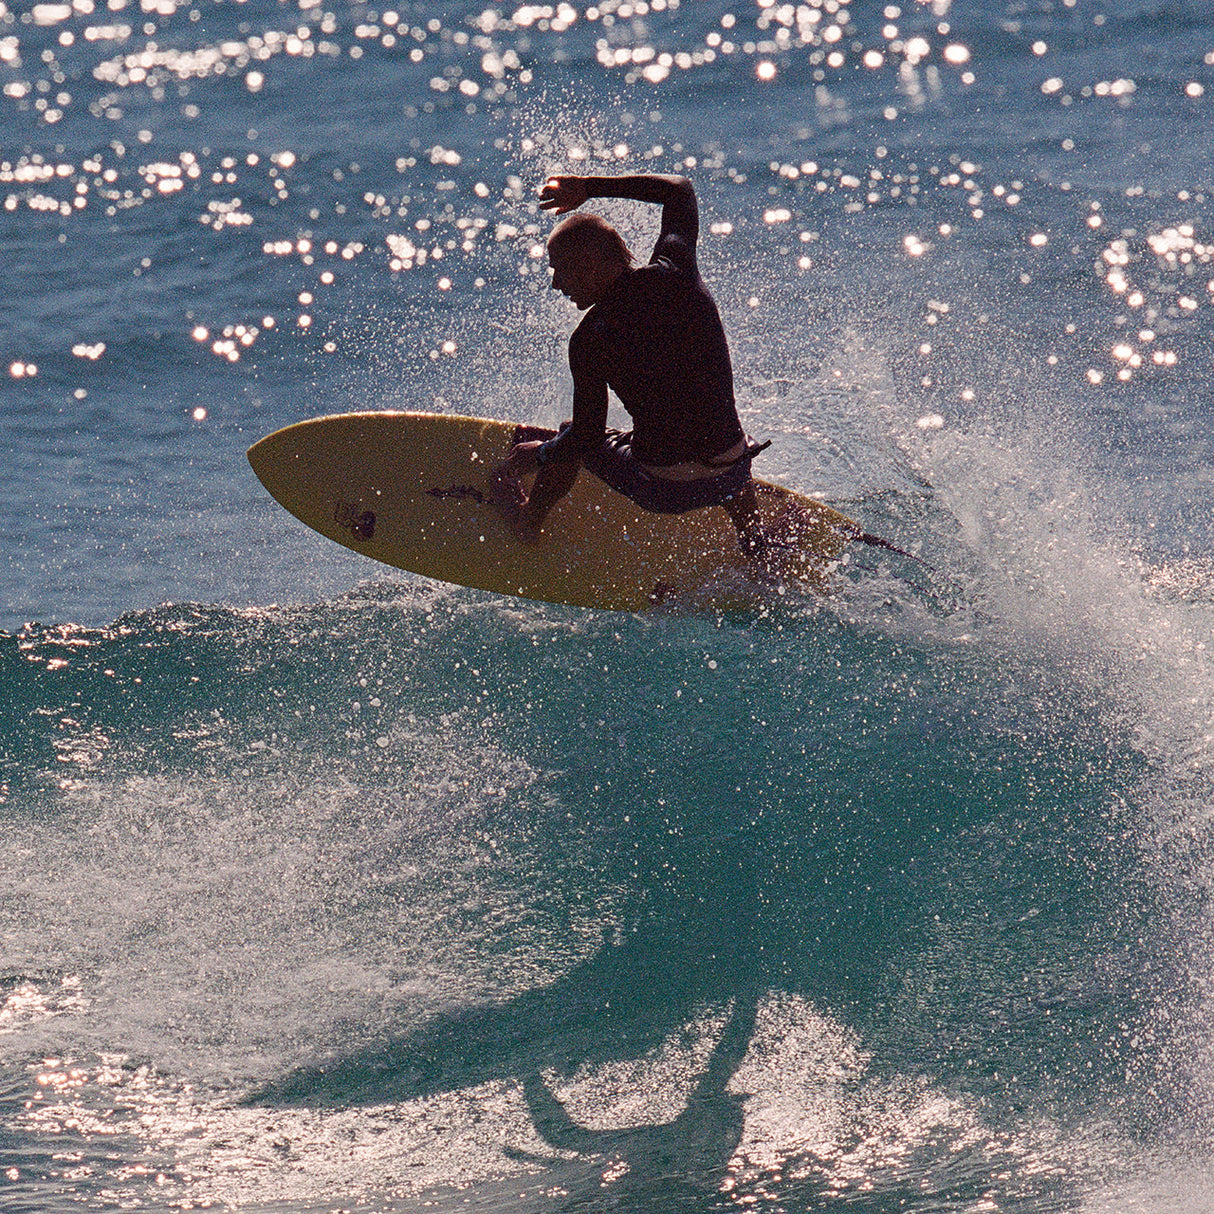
{"x": 432, "y": 227}
{"x": 148, "y": 59}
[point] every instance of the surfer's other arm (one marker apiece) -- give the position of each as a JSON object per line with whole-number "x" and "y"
{"x": 525, "y": 513}
{"x": 564, "y": 192}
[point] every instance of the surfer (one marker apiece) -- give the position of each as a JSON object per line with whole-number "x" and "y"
{"x": 652, "y": 334}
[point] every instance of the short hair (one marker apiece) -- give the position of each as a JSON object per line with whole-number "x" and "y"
{"x": 590, "y": 234}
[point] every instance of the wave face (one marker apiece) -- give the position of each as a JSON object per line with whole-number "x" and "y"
{"x": 864, "y": 901}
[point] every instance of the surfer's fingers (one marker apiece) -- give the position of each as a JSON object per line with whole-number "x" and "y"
{"x": 561, "y": 194}
{"x": 522, "y": 458}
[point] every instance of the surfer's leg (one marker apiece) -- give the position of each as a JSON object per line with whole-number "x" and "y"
{"x": 742, "y": 505}
{"x": 614, "y": 464}
{"x": 553, "y": 481}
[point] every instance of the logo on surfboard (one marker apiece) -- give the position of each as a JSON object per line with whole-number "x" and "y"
{"x": 360, "y": 522}
{"x": 459, "y": 491}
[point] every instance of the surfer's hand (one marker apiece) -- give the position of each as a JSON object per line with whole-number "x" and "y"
{"x": 561, "y": 194}
{"x": 505, "y": 481}
{"x": 521, "y": 461}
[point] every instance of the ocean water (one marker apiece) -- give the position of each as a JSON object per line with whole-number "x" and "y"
{"x": 325, "y": 888}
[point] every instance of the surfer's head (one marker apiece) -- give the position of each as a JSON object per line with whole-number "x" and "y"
{"x": 587, "y": 255}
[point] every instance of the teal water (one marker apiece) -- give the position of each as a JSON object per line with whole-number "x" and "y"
{"x": 327, "y": 888}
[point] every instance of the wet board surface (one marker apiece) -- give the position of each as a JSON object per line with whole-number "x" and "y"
{"x": 411, "y": 490}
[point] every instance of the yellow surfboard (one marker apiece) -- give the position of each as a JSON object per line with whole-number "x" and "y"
{"x": 411, "y": 490}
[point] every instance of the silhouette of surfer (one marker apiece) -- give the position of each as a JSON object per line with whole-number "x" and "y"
{"x": 653, "y": 336}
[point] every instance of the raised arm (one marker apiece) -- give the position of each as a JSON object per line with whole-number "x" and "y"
{"x": 675, "y": 195}
{"x": 565, "y": 192}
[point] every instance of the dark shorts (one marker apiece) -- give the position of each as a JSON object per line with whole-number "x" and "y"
{"x": 613, "y": 463}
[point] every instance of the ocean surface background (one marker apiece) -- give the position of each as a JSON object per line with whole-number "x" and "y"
{"x": 323, "y": 887}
